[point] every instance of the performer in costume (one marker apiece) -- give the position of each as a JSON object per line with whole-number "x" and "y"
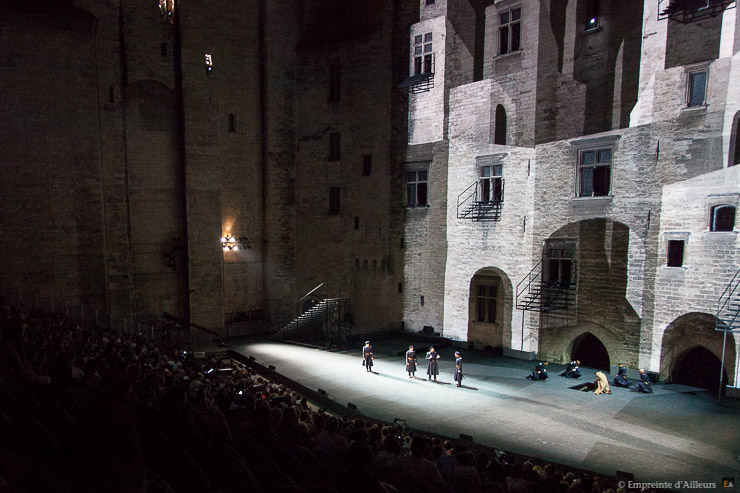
{"x": 621, "y": 379}
{"x": 432, "y": 365}
{"x": 644, "y": 385}
{"x": 539, "y": 372}
{"x": 602, "y": 384}
{"x": 367, "y": 356}
{"x": 411, "y": 362}
{"x": 572, "y": 370}
{"x": 458, "y": 376}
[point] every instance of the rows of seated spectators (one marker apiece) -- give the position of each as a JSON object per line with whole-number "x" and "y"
{"x": 84, "y": 409}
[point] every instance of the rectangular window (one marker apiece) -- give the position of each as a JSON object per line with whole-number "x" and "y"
{"x": 416, "y": 189}
{"x": 367, "y": 163}
{"x": 594, "y": 173}
{"x": 559, "y": 266}
{"x": 423, "y": 54}
{"x": 675, "y": 253}
{"x": 335, "y": 77}
{"x": 722, "y": 218}
{"x": 509, "y": 31}
{"x": 491, "y": 183}
{"x": 592, "y": 15}
{"x": 357, "y": 222}
{"x": 334, "y": 204}
{"x": 486, "y": 301}
{"x": 430, "y": 2}
{"x": 697, "y": 88}
{"x": 334, "y": 146}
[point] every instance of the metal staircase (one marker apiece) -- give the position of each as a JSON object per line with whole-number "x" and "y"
{"x": 469, "y": 207}
{"x": 319, "y": 325}
{"x": 536, "y": 294}
{"x": 728, "y": 306}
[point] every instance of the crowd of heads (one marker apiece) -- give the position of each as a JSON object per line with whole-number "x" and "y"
{"x": 84, "y": 409}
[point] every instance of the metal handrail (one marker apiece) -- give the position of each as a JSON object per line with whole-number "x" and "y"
{"x": 474, "y": 195}
{"x": 528, "y": 278}
{"x": 728, "y": 295}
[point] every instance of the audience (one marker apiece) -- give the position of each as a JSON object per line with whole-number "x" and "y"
{"x": 86, "y": 409}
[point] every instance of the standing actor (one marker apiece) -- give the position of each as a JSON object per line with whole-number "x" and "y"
{"x": 432, "y": 365}
{"x": 411, "y": 362}
{"x": 644, "y": 385}
{"x": 573, "y": 370}
{"x": 602, "y": 384}
{"x": 367, "y": 356}
{"x": 458, "y": 376}
{"x": 539, "y": 372}
{"x": 621, "y": 379}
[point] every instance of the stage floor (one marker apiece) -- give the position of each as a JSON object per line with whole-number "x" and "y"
{"x": 678, "y": 433}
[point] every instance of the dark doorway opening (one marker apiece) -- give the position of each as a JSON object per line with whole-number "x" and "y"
{"x": 698, "y": 367}
{"x": 589, "y": 350}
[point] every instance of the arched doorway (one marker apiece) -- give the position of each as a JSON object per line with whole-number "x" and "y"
{"x": 698, "y": 367}
{"x": 692, "y": 349}
{"x": 589, "y": 350}
{"x": 489, "y": 308}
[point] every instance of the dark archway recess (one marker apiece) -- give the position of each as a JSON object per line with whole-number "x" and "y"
{"x": 698, "y": 367}
{"x": 589, "y": 350}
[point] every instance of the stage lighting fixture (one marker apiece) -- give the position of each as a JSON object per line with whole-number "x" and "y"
{"x": 322, "y": 392}
{"x": 466, "y": 437}
{"x": 251, "y": 358}
{"x": 271, "y": 367}
{"x": 351, "y": 406}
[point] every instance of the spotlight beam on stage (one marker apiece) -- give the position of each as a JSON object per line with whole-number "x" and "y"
{"x": 658, "y": 437}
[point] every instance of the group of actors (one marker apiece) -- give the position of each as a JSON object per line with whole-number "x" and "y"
{"x": 432, "y": 358}
{"x": 573, "y": 370}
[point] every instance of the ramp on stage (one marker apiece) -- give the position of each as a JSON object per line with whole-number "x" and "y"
{"x": 676, "y": 433}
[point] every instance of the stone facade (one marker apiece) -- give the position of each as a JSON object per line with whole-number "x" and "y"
{"x": 613, "y": 137}
{"x": 617, "y": 86}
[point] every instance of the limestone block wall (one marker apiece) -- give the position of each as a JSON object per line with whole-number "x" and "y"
{"x": 427, "y": 109}
{"x": 500, "y": 246}
{"x": 357, "y": 248}
{"x": 613, "y": 238}
{"x": 710, "y": 260}
{"x": 52, "y": 175}
{"x": 425, "y": 242}
{"x": 515, "y": 73}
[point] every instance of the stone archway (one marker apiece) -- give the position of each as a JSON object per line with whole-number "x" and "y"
{"x": 679, "y": 356}
{"x": 698, "y": 367}
{"x": 489, "y": 308}
{"x": 590, "y": 351}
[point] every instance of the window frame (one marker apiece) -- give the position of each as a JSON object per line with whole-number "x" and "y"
{"x": 592, "y": 11}
{"x": 508, "y": 28}
{"x": 487, "y": 300}
{"x": 690, "y": 103}
{"x": 670, "y": 259}
{"x": 335, "y": 146}
{"x": 335, "y": 201}
{"x": 713, "y": 217}
{"x": 416, "y": 168}
{"x": 596, "y": 164}
{"x": 491, "y": 186}
{"x": 422, "y": 49}
{"x": 335, "y": 81}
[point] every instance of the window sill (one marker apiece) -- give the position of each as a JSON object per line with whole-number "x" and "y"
{"x": 417, "y": 207}
{"x": 603, "y": 198}
{"x": 694, "y": 109}
{"x": 592, "y": 31}
{"x": 510, "y": 54}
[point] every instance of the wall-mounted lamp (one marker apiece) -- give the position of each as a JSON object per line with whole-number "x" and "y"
{"x": 209, "y": 63}
{"x": 229, "y": 242}
{"x": 167, "y": 10}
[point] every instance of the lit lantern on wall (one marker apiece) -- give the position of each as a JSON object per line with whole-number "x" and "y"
{"x": 233, "y": 243}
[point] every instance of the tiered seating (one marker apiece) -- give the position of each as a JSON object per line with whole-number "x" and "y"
{"x": 84, "y": 409}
